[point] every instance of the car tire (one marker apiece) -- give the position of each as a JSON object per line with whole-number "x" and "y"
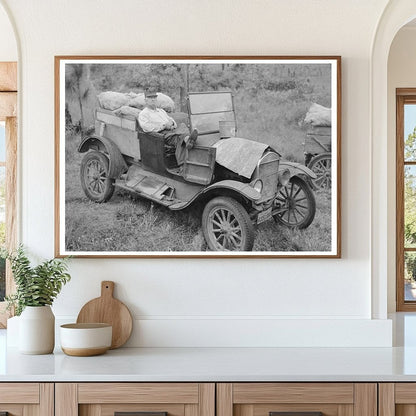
{"x": 227, "y": 226}
{"x": 94, "y": 177}
{"x": 295, "y": 204}
{"x": 321, "y": 166}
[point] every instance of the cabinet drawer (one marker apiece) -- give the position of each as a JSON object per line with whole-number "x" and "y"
{"x": 19, "y": 393}
{"x": 138, "y": 393}
{"x": 146, "y": 399}
{"x": 296, "y": 399}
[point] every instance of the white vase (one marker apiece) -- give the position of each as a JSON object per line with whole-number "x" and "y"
{"x": 37, "y": 330}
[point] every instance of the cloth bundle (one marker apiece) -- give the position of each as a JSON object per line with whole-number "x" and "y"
{"x": 111, "y": 100}
{"x": 163, "y": 101}
{"x": 125, "y": 110}
{"x": 318, "y": 116}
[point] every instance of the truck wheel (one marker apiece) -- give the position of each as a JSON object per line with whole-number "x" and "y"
{"x": 321, "y": 165}
{"x": 295, "y": 204}
{"x": 94, "y": 177}
{"x": 226, "y": 225}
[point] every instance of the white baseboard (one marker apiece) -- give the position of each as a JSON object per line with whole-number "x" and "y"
{"x": 255, "y": 332}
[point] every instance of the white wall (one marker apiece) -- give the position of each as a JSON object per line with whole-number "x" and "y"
{"x": 8, "y": 46}
{"x": 401, "y": 74}
{"x": 212, "y": 302}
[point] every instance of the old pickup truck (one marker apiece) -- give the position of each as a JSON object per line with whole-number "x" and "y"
{"x": 240, "y": 182}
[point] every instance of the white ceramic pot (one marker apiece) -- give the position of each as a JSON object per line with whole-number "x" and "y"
{"x": 86, "y": 339}
{"x": 37, "y": 330}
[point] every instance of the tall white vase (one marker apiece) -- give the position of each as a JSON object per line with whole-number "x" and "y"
{"x": 37, "y": 330}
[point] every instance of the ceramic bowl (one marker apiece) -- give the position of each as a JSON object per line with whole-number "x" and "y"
{"x": 83, "y": 340}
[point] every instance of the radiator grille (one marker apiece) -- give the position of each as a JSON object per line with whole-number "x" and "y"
{"x": 268, "y": 169}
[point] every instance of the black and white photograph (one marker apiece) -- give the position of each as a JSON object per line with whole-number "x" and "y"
{"x": 198, "y": 157}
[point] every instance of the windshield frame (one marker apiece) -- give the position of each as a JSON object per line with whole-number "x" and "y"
{"x": 192, "y": 115}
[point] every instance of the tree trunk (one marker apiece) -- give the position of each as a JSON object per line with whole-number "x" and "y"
{"x": 81, "y": 112}
{"x": 184, "y": 89}
{"x": 84, "y": 89}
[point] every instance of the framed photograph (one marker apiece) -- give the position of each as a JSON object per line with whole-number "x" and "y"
{"x": 198, "y": 156}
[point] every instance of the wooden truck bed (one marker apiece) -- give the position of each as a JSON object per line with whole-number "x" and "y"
{"x": 122, "y": 130}
{"x": 318, "y": 140}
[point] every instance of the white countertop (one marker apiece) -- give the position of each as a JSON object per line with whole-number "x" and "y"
{"x": 221, "y": 364}
{"x": 215, "y": 364}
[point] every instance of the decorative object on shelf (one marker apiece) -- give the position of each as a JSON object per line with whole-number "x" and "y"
{"x": 85, "y": 340}
{"x": 37, "y": 330}
{"x": 36, "y": 289}
{"x": 111, "y": 311}
{"x": 12, "y": 334}
{"x": 247, "y": 166}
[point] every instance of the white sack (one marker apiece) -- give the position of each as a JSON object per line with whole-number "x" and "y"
{"x": 163, "y": 101}
{"x": 125, "y": 110}
{"x": 110, "y": 100}
{"x": 318, "y": 115}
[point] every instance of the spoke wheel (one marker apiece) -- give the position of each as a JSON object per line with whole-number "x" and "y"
{"x": 321, "y": 166}
{"x": 94, "y": 177}
{"x": 226, "y": 225}
{"x": 295, "y": 204}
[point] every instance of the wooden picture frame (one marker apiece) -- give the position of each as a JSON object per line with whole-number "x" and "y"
{"x": 257, "y": 138}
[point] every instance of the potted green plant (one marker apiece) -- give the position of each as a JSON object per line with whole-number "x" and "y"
{"x": 36, "y": 289}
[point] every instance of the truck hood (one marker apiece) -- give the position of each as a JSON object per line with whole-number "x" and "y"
{"x": 239, "y": 155}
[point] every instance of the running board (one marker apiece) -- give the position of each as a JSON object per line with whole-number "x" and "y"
{"x": 165, "y": 201}
{"x": 150, "y": 187}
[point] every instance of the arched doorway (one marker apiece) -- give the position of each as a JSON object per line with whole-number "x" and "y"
{"x": 396, "y": 15}
{"x": 8, "y": 45}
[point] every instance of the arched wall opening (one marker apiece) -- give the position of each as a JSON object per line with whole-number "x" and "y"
{"x": 396, "y": 15}
{"x": 8, "y": 44}
{"x": 401, "y": 74}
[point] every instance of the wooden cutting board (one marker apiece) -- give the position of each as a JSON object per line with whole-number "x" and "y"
{"x": 107, "y": 309}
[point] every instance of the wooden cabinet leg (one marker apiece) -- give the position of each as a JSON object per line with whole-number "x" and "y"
{"x": 47, "y": 399}
{"x": 207, "y": 399}
{"x": 386, "y": 399}
{"x": 365, "y": 399}
{"x": 66, "y": 399}
{"x": 224, "y": 399}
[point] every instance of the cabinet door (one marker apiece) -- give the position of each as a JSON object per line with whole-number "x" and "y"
{"x": 142, "y": 399}
{"x": 297, "y": 399}
{"x": 26, "y": 399}
{"x": 397, "y": 399}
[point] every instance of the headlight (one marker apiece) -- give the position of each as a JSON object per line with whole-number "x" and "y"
{"x": 258, "y": 185}
{"x": 284, "y": 177}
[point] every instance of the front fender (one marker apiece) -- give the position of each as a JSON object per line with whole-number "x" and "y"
{"x": 117, "y": 164}
{"x": 242, "y": 188}
{"x": 296, "y": 169}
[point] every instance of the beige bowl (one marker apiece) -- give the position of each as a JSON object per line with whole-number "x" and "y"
{"x": 83, "y": 340}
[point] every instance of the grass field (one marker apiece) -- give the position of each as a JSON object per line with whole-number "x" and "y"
{"x": 129, "y": 223}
